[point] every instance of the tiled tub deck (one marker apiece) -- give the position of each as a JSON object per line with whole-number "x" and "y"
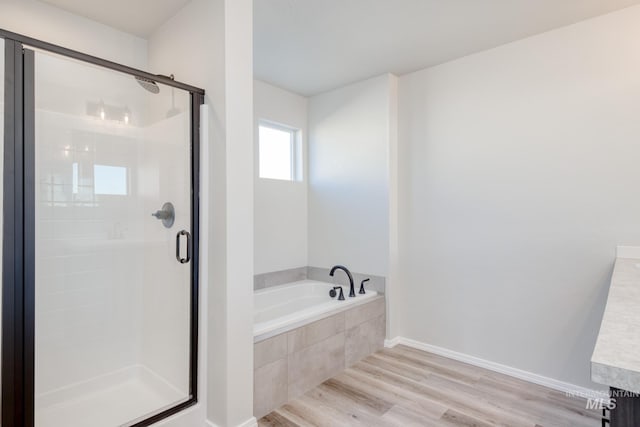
{"x": 288, "y": 365}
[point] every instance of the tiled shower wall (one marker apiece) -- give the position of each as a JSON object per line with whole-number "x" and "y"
{"x": 107, "y": 279}
{"x": 288, "y": 365}
{"x": 86, "y": 265}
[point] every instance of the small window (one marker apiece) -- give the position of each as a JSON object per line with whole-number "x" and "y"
{"x": 278, "y": 152}
{"x": 110, "y": 180}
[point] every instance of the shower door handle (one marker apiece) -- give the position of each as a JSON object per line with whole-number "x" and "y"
{"x": 179, "y": 257}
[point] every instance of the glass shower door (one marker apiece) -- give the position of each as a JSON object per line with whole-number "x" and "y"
{"x": 113, "y": 274}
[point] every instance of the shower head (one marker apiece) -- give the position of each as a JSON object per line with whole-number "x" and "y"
{"x": 149, "y": 85}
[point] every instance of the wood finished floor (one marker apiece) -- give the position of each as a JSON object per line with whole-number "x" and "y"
{"x": 406, "y": 387}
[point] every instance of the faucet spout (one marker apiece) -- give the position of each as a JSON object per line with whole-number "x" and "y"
{"x": 352, "y": 291}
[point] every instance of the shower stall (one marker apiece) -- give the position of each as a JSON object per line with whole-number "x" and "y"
{"x": 100, "y": 187}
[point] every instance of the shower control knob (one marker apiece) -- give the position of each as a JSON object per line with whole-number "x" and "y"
{"x": 167, "y": 215}
{"x": 161, "y": 214}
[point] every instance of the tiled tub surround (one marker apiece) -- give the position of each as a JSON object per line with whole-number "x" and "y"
{"x": 277, "y": 278}
{"x": 289, "y": 364}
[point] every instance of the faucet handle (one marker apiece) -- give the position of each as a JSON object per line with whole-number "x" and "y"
{"x": 332, "y": 293}
{"x": 362, "y": 286}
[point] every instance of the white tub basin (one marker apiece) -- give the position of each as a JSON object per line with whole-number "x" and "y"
{"x": 281, "y": 308}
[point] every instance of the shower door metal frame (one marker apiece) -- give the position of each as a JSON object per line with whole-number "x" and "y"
{"x": 18, "y": 256}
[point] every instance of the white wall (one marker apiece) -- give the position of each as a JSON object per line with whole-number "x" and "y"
{"x": 517, "y": 169}
{"x": 280, "y": 207}
{"x": 42, "y": 21}
{"x": 239, "y": 161}
{"x": 220, "y": 61}
{"x": 393, "y": 275}
{"x": 349, "y": 177}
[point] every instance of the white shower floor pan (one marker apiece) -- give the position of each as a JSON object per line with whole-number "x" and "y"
{"x": 117, "y": 399}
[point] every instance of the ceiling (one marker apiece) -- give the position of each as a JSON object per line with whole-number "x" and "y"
{"x": 139, "y": 17}
{"x": 311, "y": 46}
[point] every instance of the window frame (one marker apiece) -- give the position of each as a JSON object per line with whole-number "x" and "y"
{"x": 295, "y": 157}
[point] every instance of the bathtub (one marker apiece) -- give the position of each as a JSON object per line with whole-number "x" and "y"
{"x": 302, "y": 337}
{"x": 282, "y": 308}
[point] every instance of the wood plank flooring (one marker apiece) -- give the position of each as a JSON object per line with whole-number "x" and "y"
{"x": 403, "y": 387}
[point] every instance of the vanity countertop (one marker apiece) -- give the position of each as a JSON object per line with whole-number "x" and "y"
{"x": 616, "y": 358}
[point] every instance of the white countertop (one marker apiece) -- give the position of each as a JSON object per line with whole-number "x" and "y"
{"x": 616, "y": 358}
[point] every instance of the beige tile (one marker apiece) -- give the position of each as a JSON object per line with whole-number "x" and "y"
{"x": 364, "y": 312}
{"x": 315, "y": 364}
{"x": 315, "y": 332}
{"x": 269, "y": 350}
{"x": 269, "y": 387}
{"x": 364, "y": 339}
{"x": 275, "y": 278}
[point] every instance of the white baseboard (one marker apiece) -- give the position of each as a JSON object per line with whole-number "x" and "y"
{"x": 570, "y": 389}
{"x": 392, "y": 342}
{"x": 251, "y": 422}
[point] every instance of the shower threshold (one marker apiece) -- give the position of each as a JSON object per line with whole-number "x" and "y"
{"x": 117, "y": 399}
